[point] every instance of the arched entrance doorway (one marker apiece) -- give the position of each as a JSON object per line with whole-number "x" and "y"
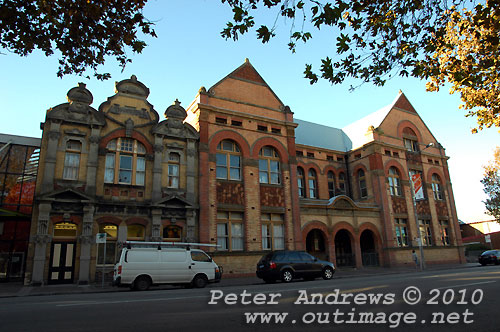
{"x": 343, "y": 249}
{"x": 369, "y": 255}
{"x": 315, "y": 244}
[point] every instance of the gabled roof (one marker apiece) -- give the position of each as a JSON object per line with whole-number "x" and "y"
{"x": 174, "y": 200}
{"x": 67, "y": 194}
{"x": 313, "y": 134}
{"x": 356, "y": 131}
{"x": 246, "y": 72}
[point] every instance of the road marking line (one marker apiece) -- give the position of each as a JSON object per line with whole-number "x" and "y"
{"x": 131, "y": 301}
{"x": 464, "y": 285}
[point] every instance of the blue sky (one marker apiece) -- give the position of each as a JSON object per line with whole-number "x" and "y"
{"x": 189, "y": 53}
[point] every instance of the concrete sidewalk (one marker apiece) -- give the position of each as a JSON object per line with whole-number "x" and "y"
{"x": 15, "y": 289}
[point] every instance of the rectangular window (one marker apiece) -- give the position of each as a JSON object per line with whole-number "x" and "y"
{"x": 401, "y": 232}
{"x": 234, "y": 167}
{"x": 388, "y": 152}
{"x": 140, "y": 171}
{"x": 273, "y": 235}
{"x": 329, "y": 158}
{"x": 310, "y": 155}
{"x": 220, "y": 120}
{"x": 236, "y": 123}
{"x": 71, "y": 166}
{"x": 263, "y": 171}
{"x": 173, "y": 176}
{"x": 445, "y": 233}
{"x": 230, "y": 231}
{"x": 411, "y": 145}
{"x": 425, "y": 232}
{"x": 276, "y": 130}
{"x": 125, "y": 172}
{"x": 340, "y": 159}
{"x": 261, "y": 128}
{"x": 222, "y": 237}
{"x": 221, "y": 162}
{"x": 299, "y": 153}
{"x": 109, "y": 172}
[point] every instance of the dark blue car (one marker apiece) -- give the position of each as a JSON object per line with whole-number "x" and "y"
{"x": 288, "y": 265}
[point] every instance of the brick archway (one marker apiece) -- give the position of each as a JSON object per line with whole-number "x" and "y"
{"x": 316, "y": 241}
{"x": 370, "y": 244}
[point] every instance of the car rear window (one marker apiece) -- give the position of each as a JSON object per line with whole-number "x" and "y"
{"x": 489, "y": 252}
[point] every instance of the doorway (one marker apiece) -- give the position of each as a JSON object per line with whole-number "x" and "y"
{"x": 343, "y": 249}
{"x": 62, "y": 258}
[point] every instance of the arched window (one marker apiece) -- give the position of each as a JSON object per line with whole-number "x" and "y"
{"x": 331, "y": 183}
{"x": 363, "y": 191}
{"x": 342, "y": 183}
{"x": 312, "y": 182}
{"x": 173, "y": 170}
{"x": 269, "y": 166}
{"x": 125, "y": 162}
{"x": 135, "y": 232}
{"x": 72, "y": 160}
{"x": 228, "y": 161}
{"x": 437, "y": 188}
{"x": 300, "y": 182}
{"x": 111, "y": 231}
{"x": 394, "y": 182}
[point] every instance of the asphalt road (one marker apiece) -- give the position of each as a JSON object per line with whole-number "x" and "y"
{"x": 464, "y": 299}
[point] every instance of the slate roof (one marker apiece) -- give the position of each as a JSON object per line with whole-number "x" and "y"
{"x": 313, "y": 134}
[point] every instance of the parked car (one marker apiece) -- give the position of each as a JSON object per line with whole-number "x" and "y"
{"x": 288, "y": 265}
{"x": 489, "y": 257}
{"x": 140, "y": 268}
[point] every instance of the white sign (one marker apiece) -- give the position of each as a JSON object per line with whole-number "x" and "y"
{"x": 100, "y": 238}
{"x": 417, "y": 185}
{"x": 487, "y": 238}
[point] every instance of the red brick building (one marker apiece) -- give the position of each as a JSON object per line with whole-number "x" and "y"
{"x": 270, "y": 181}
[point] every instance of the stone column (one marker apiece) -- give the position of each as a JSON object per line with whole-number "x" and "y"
{"x": 191, "y": 226}
{"x": 191, "y": 171}
{"x": 50, "y": 158}
{"x": 41, "y": 238}
{"x": 157, "y": 169}
{"x": 92, "y": 160}
{"x": 156, "y": 226}
{"x": 86, "y": 241}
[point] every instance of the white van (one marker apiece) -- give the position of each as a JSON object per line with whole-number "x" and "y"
{"x": 140, "y": 268}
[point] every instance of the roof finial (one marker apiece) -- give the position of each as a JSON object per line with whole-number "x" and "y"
{"x": 247, "y": 61}
{"x": 400, "y": 92}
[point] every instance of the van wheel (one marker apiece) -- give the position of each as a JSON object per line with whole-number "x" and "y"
{"x": 286, "y": 276}
{"x": 142, "y": 283}
{"x": 200, "y": 281}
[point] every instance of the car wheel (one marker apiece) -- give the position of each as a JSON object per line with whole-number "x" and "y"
{"x": 142, "y": 283}
{"x": 286, "y": 276}
{"x": 327, "y": 273}
{"x": 200, "y": 281}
